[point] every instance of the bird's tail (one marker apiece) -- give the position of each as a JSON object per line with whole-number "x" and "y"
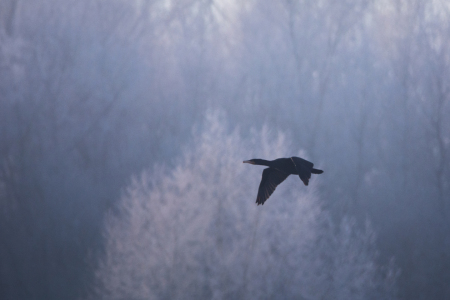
{"x": 316, "y": 171}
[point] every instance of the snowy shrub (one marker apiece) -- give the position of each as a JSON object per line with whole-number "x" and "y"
{"x": 195, "y": 232}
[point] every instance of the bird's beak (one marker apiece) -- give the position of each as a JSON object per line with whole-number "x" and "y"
{"x": 248, "y": 162}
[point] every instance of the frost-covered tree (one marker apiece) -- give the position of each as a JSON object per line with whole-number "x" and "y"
{"x": 195, "y": 232}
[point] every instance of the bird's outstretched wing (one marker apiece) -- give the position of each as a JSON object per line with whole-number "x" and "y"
{"x": 270, "y": 179}
{"x": 304, "y": 168}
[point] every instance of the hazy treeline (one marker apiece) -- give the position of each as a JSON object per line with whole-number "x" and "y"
{"x": 92, "y": 92}
{"x": 192, "y": 233}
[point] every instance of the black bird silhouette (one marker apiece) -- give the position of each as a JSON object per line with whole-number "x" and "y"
{"x": 278, "y": 170}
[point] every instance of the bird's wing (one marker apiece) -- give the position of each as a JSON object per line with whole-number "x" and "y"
{"x": 270, "y": 179}
{"x": 303, "y": 168}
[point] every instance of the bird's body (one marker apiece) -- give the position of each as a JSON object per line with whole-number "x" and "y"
{"x": 278, "y": 170}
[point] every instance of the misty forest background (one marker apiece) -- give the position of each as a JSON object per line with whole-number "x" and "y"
{"x": 124, "y": 124}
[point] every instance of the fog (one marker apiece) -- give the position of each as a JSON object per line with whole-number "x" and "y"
{"x": 124, "y": 124}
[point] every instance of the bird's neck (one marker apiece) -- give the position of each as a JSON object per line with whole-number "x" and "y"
{"x": 262, "y": 162}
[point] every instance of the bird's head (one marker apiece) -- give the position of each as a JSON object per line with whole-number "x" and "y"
{"x": 257, "y": 161}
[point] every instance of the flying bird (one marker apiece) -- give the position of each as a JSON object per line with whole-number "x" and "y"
{"x": 278, "y": 170}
